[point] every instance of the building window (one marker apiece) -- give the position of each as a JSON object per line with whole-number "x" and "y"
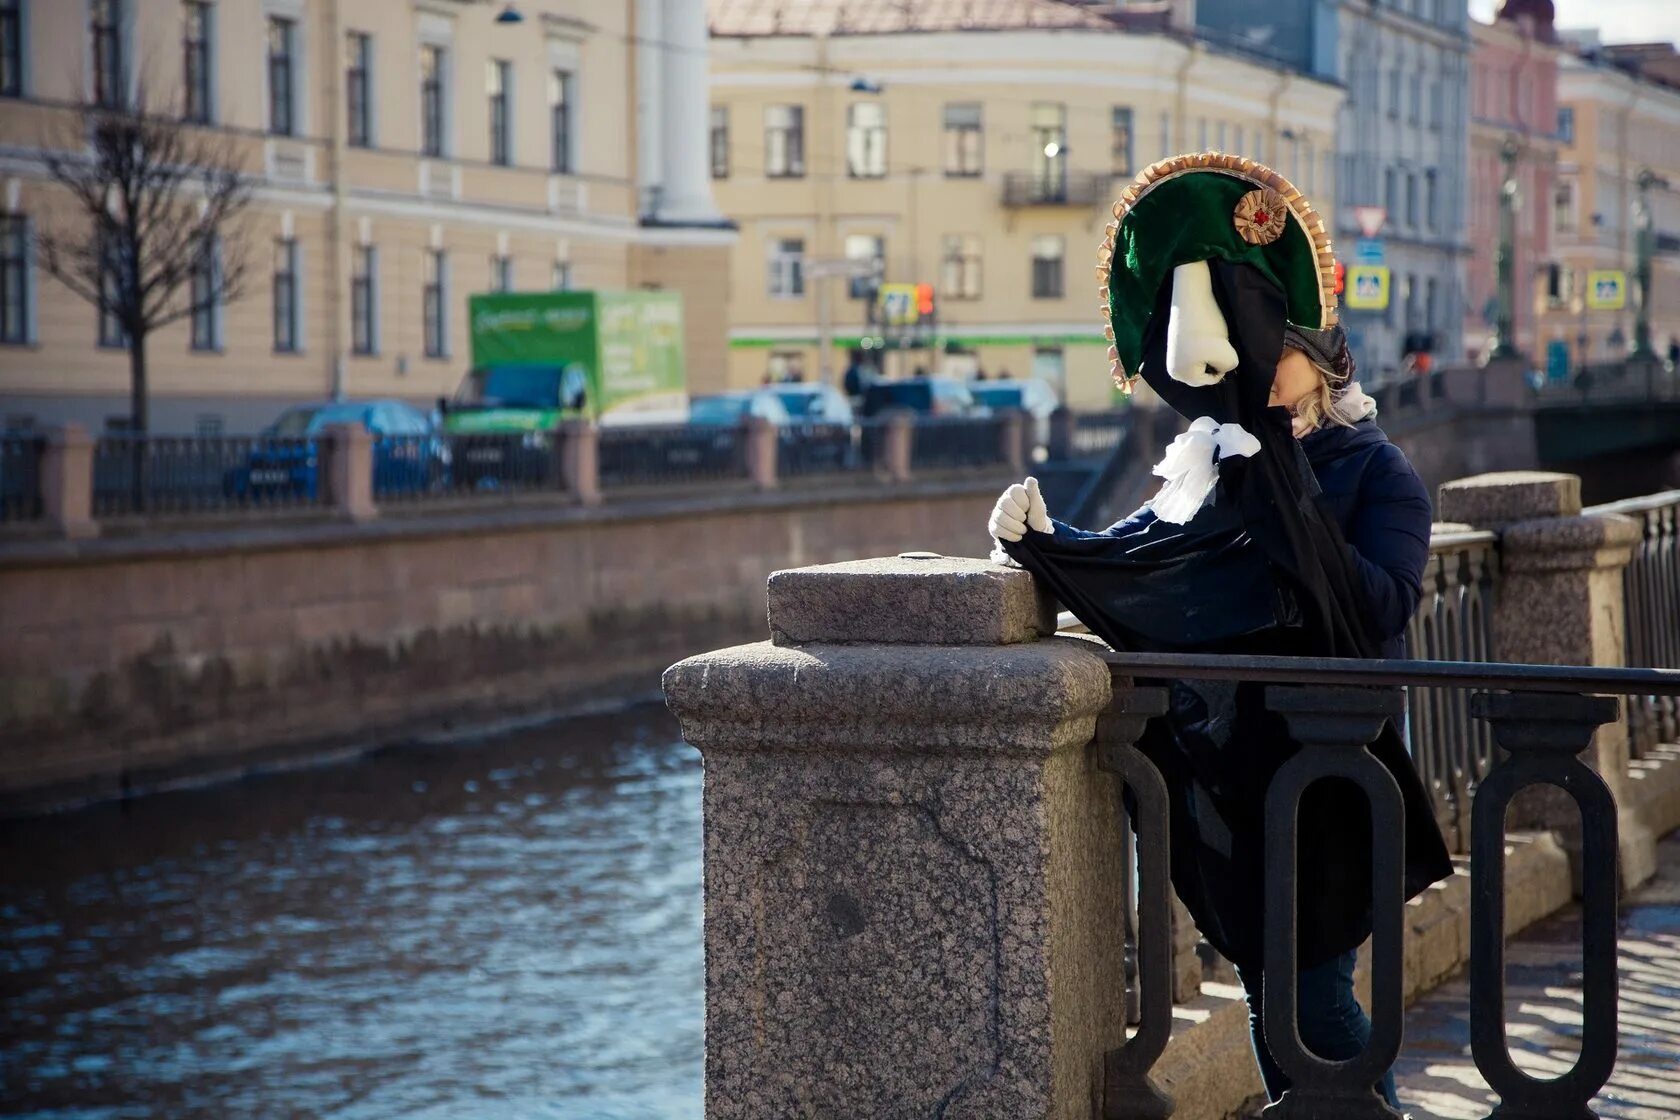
{"x": 870, "y": 250}
{"x": 206, "y": 310}
{"x": 1563, "y": 207}
{"x": 1391, "y": 194}
{"x": 112, "y": 295}
{"x": 959, "y": 266}
{"x": 1411, "y": 200}
{"x": 14, "y": 280}
{"x": 784, "y": 141}
{"x": 501, "y": 273}
{"x": 1120, "y": 143}
{"x": 866, "y": 140}
{"x": 280, "y": 91}
{"x": 1431, "y": 201}
{"x": 720, "y": 141}
{"x": 1047, "y": 267}
{"x": 432, "y": 65}
{"x": 1435, "y": 100}
{"x": 1049, "y": 140}
{"x": 1566, "y": 123}
{"x": 364, "y": 300}
{"x": 11, "y": 48}
{"x": 787, "y": 266}
{"x": 1394, "y": 94}
{"x": 195, "y": 61}
{"x": 964, "y": 140}
{"x": 108, "y": 62}
{"x": 1430, "y": 289}
{"x": 434, "y": 311}
{"x": 496, "y": 81}
{"x": 358, "y": 66}
{"x": 786, "y": 365}
{"x": 560, "y": 121}
{"x": 285, "y": 296}
{"x": 562, "y": 276}
{"x": 1415, "y": 109}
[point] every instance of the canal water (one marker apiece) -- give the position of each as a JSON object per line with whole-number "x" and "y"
{"x": 498, "y": 929}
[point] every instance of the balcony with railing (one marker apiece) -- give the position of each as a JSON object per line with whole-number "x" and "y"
{"x": 1072, "y": 188}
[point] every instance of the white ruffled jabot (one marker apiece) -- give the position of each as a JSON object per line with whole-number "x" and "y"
{"x": 1191, "y": 466}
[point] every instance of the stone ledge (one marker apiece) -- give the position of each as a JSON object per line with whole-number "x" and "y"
{"x": 1040, "y": 697}
{"x": 1491, "y": 501}
{"x": 1561, "y": 544}
{"x": 911, "y": 599}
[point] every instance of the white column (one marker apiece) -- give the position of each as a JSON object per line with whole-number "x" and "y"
{"x": 686, "y": 124}
{"x": 650, "y": 76}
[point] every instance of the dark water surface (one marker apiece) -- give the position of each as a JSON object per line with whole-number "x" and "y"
{"x": 503, "y": 929}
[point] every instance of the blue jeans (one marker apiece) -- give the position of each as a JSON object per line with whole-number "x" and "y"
{"x": 1332, "y": 1024}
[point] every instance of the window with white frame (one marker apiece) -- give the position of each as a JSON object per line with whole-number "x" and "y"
{"x": 868, "y": 251}
{"x": 784, "y": 141}
{"x": 433, "y": 68}
{"x": 114, "y": 293}
{"x": 15, "y": 277}
{"x": 787, "y": 267}
{"x": 1563, "y": 207}
{"x": 11, "y": 48}
{"x": 1120, "y": 141}
{"x": 434, "y": 309}
{"x": 959, "y": 266}
{"x": 497, "y": 79}
{"x": 560, "y": 98}
{"x": 286, "y": 339}
{"x": 195, "y": 61}
{"x": 720, "y": 141}
{"x": 501, "y": 273}
{"x": 202, "y": 296}
{"x": 364, "y": 300}
{"x": 282, "y": 86}
{"x": 562, "y": 281}
{"x": 110, "y": 62}
{"x": 358, "y": 82}
{"x": 866, "y": 140}
{"x": 1047, "y": 253}
{"x": 965, "y": 151}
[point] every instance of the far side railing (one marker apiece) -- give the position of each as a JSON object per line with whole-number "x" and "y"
{"x": 1651, "y": 586}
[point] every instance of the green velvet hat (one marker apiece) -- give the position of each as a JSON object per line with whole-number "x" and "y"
{"x": 1201, "y": 206}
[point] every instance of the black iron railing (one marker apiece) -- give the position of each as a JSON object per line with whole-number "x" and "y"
{"x": 938, "y": 443}
{"x": 1541, "y": 716}
{"x": 416, "y": 468}
{"x": 1651, "y": 585}
{"x": 671, "y": 455}
{"x": 816, "y": 448}
{"x": 205, "y": 474}
{"x": 20, "y": 476}
{"x": 1071, "y": 188}
{"x": 1100, "y": 433}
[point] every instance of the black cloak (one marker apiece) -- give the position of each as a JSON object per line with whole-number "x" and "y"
{"x": 1262, "y": 569}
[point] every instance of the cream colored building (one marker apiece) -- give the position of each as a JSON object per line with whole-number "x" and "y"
{"x": 974, "y": 148}
{"x": 427, "y": 150}
{"x": 1614, "y": 126}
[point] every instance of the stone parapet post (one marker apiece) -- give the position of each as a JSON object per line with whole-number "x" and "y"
{"x": 578, "y": 449}
{"x": 1015, "y": 438}
{"x": 912, "y": 857}
{"x": 67, "y": 482}
{"x": 347, "y": 469}
{"x": 1560, "y": 602}
{"x": 758, "y": 446}
{"x": 898, "y": 434}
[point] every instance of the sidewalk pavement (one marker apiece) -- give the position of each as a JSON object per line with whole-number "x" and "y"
{"x": 1438, "y": 1079}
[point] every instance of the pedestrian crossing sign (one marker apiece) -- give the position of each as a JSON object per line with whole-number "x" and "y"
{"x": 1367, "y": 287}
{"x": 1607, "y": 289}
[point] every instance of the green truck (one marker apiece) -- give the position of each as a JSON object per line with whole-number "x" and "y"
{"x": 542, "y": 357}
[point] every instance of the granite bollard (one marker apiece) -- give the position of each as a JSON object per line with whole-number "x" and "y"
{"x": 912, "y": 861}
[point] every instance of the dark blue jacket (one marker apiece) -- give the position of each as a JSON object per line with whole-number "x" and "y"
{"x": 1382, "y": 508}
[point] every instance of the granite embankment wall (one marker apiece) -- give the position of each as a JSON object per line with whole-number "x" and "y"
{"x": 130, "y": 663}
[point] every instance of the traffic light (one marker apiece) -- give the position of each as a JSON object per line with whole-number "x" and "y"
{"x": 1341, "y": 276}
{"x": 924, "y": 301}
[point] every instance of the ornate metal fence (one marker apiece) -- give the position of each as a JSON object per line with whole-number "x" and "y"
{"x": 20, "y": 476}
{"x": 938, "y": 443}
{"x": 671, "y": 454}
{"x": 1542, "y": 717}
{"x": 204, "y": 474}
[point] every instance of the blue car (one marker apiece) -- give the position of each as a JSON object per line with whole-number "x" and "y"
{"x": 409, "y": 456}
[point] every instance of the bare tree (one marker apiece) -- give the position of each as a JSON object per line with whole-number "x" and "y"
{"x": 151, "y": 236}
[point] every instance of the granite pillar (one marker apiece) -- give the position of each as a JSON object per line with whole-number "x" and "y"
{"x": 912, "y": 859}
{"x": 1560, "y": 602}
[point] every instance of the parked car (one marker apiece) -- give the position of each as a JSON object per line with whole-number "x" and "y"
{"x": 929, "y": 396}
{"x": 733, "y": 408}
{"x": 285, "y": 462}
{"x": 813, "y": 404}
{"x": 1032, "y": 395}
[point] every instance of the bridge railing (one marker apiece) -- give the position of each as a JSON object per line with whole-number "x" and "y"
{"x": 1651, "y": 585}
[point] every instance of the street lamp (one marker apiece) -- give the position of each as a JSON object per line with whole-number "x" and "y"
{"x": 1644, "y": 247}
{"x": 1504, "y": 331}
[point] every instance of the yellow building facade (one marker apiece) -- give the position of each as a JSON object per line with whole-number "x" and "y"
{"x": 406, "y": 153}
{"x": 1617, "y": 130}
{"x": 980, "y": 160}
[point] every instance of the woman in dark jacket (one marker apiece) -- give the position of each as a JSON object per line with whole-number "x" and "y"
{"x": 1219, "y": 746}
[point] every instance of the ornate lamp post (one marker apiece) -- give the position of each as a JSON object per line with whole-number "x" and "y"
{"x": 1504, "y": 331}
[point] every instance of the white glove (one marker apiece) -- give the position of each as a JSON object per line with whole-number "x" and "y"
{"x": 1019, "y": 508}
{"x": 1199, "y": 350}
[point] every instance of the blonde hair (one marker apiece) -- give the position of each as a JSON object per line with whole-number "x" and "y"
{"x": 1312, "y": 410}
